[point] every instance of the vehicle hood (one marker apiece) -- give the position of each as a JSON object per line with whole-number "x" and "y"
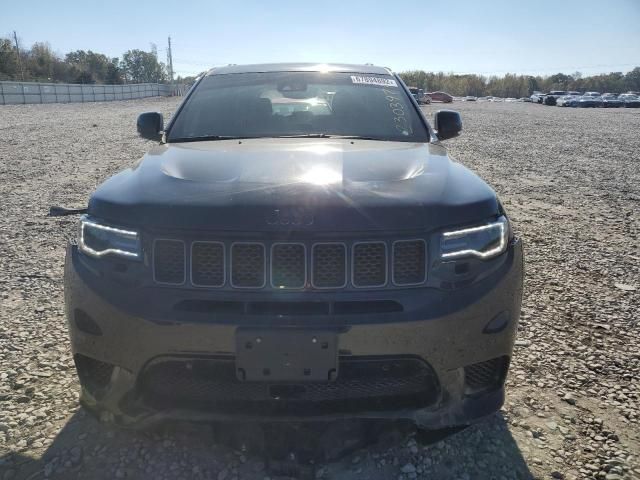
{"x": 294, "y": 184}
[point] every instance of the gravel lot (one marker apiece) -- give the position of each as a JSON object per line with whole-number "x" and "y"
{"x": 570, "y": 179}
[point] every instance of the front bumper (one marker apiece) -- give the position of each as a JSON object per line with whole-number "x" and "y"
{"x": 122, "y": 335}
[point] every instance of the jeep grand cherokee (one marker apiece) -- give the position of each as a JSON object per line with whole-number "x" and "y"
{"x": 298, "y": 245}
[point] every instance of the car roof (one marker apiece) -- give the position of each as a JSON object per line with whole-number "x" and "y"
{"x": 300, "y": 67}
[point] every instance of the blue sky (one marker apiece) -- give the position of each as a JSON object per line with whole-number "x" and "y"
{"x": 488, "y": 37}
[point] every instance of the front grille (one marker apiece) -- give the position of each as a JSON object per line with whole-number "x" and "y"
{"x": 369, "y": 264}
{"x": 289, "y": 265}
{"x": 247, "y": 265}
{"x": 207, "y": 264}
{"x": 485, "y": 375}
{"x": 365, "y": 384}
{"x": 169, "y": 261}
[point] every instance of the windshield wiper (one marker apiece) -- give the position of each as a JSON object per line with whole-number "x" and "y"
{"x": 327, "y": 135}
{"x": 204, "y": 138}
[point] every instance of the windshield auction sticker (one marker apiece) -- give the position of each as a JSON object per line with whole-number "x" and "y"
{"x": 383, "y": 82}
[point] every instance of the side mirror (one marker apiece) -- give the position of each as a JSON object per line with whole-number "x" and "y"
{"x": 150, "y": 125}
{"x": 448, "y": 124}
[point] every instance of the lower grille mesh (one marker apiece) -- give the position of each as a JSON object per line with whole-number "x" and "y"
{"x": 211, "y": 384}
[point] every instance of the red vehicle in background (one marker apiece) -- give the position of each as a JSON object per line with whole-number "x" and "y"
{"x": 440, "y": 97}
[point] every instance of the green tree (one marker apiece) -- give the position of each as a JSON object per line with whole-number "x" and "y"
{"x": 632, "y": 80}
{"x": 142, "y": 67}
{"x": 9, "y": 68}
{"x": 40, "y": 62}
{"x": 114, "y": 74}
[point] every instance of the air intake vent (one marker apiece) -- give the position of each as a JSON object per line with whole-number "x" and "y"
{"x": 207, "y": 264}
{"x": 288, "y": 265}
{"x": 369, "y": 264}
{"x": 169, "y": 261}
{"x": 486, "y": 375}
{"x": 248, "y": 265}
{"x": 409, "y": 262}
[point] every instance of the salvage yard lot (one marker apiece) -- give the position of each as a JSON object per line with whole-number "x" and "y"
{"x": 570, "y": 179}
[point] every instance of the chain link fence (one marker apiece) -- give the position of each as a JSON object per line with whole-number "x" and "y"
{"x": 13, "y": 93}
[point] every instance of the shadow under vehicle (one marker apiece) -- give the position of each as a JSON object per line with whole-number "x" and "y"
{"x": 276, "y": 450}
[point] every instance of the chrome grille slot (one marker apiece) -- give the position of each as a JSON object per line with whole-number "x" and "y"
{"x": 369, "y": 264}
{"x": 409, "y": 262}
{"x": 329, "y": 265}
{"x": 288, "y": 265}
{"x": 248, "y": 265}
{"x": 169, "y": 261}
{"x": 207, "y": 264}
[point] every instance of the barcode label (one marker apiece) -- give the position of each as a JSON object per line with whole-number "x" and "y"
{"x": 383, "y": 82}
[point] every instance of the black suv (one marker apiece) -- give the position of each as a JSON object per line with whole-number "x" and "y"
{"x": 298, "y": 245}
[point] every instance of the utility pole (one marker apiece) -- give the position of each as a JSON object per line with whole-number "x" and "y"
{"x": 15, "y": 37}
{"x": 170, "y": 61}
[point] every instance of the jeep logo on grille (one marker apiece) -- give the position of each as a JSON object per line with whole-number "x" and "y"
{"x": 289, "y": 216}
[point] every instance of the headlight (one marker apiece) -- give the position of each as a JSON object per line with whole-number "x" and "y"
{"x": 484, "y": 241}
{"x": 97, "y": 240}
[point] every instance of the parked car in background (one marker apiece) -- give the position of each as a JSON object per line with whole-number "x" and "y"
{"x": 612, "y": 101}
{"x": 591, "y": 94}
{"x": 525, "y": 99}
{"x": 443, "y": 97}
{"x": 568, "y": 101}
{"x": 553, "y": 95}
{"x": 421, "y": 97}
{"x": 537, "y": 97}
{"x": 630, "y": 100}
{"x": 574, "y": 93}
{"x": 469, "y": 98}
{"x": 590, "y": 101}
{"x": 510, "y": 99}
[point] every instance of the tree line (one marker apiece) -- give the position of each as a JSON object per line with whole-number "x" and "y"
{"x": 516, "y": 86}
{"x": 41, "y": 64}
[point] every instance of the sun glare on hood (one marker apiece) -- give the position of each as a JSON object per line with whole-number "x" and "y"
{"x": 321, "y": 175}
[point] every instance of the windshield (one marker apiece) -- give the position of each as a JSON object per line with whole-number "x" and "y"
{"x": 281, "y": 104}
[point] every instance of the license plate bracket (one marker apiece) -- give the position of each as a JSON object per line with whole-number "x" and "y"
{"x": 285, "y": 355}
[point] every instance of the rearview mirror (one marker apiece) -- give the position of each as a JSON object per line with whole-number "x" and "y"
{"x": 448, "y": 124}
{"x": 150, "y": 125}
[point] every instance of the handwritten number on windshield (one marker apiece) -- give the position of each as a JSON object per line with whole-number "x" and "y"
{"x": 397, "y": 107}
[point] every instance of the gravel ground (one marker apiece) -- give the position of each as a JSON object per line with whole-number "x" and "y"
{"x": 569, "y": 178}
